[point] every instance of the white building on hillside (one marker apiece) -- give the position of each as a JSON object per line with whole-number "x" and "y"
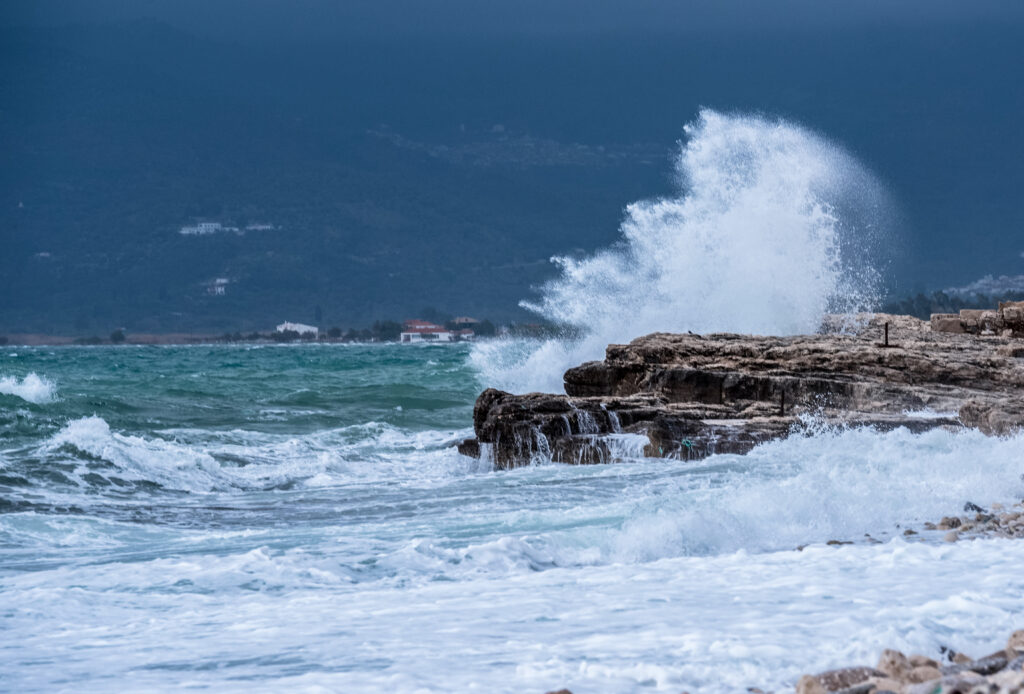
{"x": 201, "y": 229}
{"x": 298, "y": 328}
{"x": 209, "y": 228}
{"x": 218, "y": 286}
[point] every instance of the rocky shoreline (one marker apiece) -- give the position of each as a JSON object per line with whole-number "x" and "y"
{"x": 998, "y": 520}
{"x": 688, "y": 396}
{"x": 950, "y": 672}
{"x": 995, "y": 521}
{"x": 1001, "y": 672}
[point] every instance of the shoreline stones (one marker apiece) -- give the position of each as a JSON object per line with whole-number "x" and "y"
{"x": 978, "y": 522}
{"x": 691, "y": 396}
{"x": 1001, "y": 672}
{"x": 997, "y": 522}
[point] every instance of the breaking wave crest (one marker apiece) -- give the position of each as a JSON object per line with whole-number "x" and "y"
{"x": 198, "y": 462}
{"x": 831, "y": 485}
{"x": 773, "y": 227}
{"x": 33, "y": 388}
{"x": 834, "y": 485}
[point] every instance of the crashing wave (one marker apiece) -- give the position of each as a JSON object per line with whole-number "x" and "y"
{"x": 773, "y": 227}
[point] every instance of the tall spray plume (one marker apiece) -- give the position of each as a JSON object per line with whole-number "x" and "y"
{"x": 773, "y": 227}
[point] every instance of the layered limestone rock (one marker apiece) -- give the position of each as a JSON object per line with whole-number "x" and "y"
{"x": 689, "y": 396}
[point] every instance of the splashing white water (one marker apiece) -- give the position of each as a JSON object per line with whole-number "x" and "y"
{"x": 32, "y": 388}
{"x": 770, "y": 231}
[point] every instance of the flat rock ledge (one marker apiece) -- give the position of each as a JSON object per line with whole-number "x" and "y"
{"x": 1001, "y": 672}
{"x": 690, "y": 396}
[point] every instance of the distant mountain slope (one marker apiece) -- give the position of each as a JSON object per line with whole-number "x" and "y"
{"x": 406, "y": 173}
{"x": 111, "y": 157}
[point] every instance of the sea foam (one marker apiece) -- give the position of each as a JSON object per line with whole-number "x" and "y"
{"x": 840, "y": 484}
{"x": 773, "y": 226}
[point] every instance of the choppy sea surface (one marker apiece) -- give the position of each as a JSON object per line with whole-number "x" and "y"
{"x": 297, "y": 519}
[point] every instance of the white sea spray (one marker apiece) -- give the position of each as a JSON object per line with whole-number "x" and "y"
{"x": 773, "y": 226}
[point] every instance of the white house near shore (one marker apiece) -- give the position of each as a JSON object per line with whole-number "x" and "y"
{"x": 298, "y": 328}
{"x": 425, "y": 331}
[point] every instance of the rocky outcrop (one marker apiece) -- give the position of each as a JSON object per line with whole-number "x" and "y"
{"x": 689, "y": 396}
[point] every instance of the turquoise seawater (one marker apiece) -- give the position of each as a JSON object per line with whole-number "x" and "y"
{"x": 297, "y": 518}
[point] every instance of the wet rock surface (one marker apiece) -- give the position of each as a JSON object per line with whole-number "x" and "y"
{"x": 690, "y": 396}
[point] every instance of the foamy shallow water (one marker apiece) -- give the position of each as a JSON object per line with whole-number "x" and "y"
{"x": 642, "y": 576}
{"x": 716, "y": 624}
{"x": 159, "y": 532}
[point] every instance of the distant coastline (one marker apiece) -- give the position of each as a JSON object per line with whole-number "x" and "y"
{"x": 135, "y": 340}
{"x": 269, "y": 338}
{"x": 43, "y": 340}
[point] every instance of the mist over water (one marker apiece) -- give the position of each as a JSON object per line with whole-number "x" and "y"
{"x": 773, "y": 227}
